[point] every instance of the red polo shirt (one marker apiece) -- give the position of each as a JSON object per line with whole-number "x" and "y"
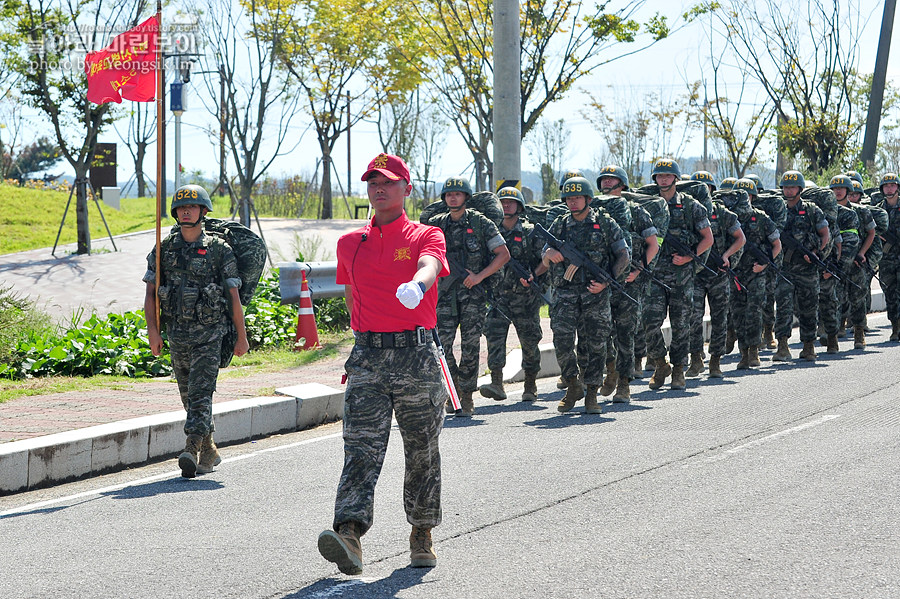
{"x": 375, "y": 267}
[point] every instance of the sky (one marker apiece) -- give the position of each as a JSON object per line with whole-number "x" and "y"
{"x": 664, "y": 68}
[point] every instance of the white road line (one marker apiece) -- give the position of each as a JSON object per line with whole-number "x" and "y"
{"x": 41, "y": 504}
{"x": 773, "y": 437}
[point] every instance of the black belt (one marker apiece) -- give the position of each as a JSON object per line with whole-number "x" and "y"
{"x": 420, "y": 336}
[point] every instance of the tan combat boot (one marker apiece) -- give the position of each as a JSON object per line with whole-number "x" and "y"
{"x": 188, "y": 459}
{"x": 623, "y": 391}
{"x": 859, "y": 338}
{"x": 530, "y": 391}
{"x": 753, "y": 353}
{"x": 590, "y": 400}
{"x": 696, "y": 366}
{"x": 808, "y": 352}
{"x": 495, "y": 389}
{"x": 678, "y": 381}
{"x": 421, "y": 548}
{"x": 832, "y": 345}
{"x": 769, "y": 336}
{"x": 574, "y": 392}
{"x": 611, "y": 380}
{"x": 715, "y": 369}
{"x": 209, "y": 455}
{"x": 467, "y": 405}
{"x": 783, "y": 353}
{"x": 638, "y": 367}
{"x": 343, "y": 548}
{"x": 730, "y": 340}
{"x": 744, "y": 364}
{"x": 663, "y": 370}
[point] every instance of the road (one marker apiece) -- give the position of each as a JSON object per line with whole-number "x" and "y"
{"x": 778, "y": 483}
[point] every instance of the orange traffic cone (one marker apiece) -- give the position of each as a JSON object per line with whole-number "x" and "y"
{"x": 306, "y": 321}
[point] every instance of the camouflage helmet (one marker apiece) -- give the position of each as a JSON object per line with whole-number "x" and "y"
{"x": 665, "y": 166}
{"x": 613, "y": 171}
{"x": 187, "y": 195}
{"x": 844, "y": 181}
{"x": 857, "y": 187}
{"x": 568, "y": 175}
{"x": 705, "y": 177}
{"x": 757, "y": 180}
{"x": 577, "y": 186}
{"x": 727, "y": 184}
{"x": 855, "y": 176}
{"x": 511, "y": 193}
{"x": 748, "y": 185}
{"x": 456, "y": 184}
{"x": 738, "y": 200}
{"x": 792, "y": 178}
{"x": 888, "y": 178}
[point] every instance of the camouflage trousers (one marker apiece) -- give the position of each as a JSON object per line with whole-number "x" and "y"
{"x": 407, "y": 383}
{"x": 525, "y": 312}
{"x": 853, "y": 299}
{"x": 626, "y": 316}
{"x": 195, "y": 363}
{"x": 464, "y": 310}
{"x": 587, "y": 316}
{"x": 829, "y": 307}
{"x": 747, "y": 308}
{"x": 678, "y": 304}
{"x": 716, "y": 290}
{"x": 768, "y": 312}
{"x": 889, "y": 271}
{"x": 800, "y": 296}
{"x": 640, "y": 335}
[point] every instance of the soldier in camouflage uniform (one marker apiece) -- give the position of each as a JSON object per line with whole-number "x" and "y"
{"x": 876, "y": 250}
{"x": 641, "y": 234}
{"x": 473, "y": 242}
{"x": 689, "y": 222}
{"x": 389, "y": 269}
{"x": 762, "y": 234}
{"x": 517, "y": 298}
{"x": 852, "y": 291}
{"x": 728, "y": 239}
{"x": 806, "y": 223}
{"x": 582, "y": 304}
{"x": 889, "y": 267}
{"x": 198, "y": 293}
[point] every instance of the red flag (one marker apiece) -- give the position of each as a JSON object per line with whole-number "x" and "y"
{"x": 126, "y": 68}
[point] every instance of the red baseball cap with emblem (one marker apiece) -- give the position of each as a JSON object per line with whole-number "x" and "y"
{"x": 388, "y": 165}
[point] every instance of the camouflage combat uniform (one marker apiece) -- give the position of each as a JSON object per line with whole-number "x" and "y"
{"x": 775, "y": 207}
{"x": 889, "y": 268}
{"x": 519, "y": 303}
{"x": 471, "y": 240}
{"x": 849, "y": 230}
{"x": 577, "y": 311}
{"x": 658, "y": 210}
{"x": 687, "y": 218}
{"x": 853, "y": 298}
{"x": 194, "y": 281}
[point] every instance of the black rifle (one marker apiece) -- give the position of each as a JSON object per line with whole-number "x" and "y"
{"x": 764, "y": 258}
{"x": 813, "y": 257}
{"x": 459, "y": 272}
{"x": 523, "y": 272}
{"x": 890, "y": 237}
{"x": 868, "y": 269}
{"x": 576, "y": 257}
{"x": 683, "y": 249}
{"x": 835, "y": 268}
{"x": 719, "y": 262}
{"x": 637, "y": 264}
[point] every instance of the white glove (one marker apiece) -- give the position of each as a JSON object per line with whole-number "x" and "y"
{"x": 410, "y": 294}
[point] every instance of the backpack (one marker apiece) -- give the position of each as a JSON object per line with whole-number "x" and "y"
{"x": 544, "y": 215}
{"x": 880, "y": 216}
{"x": 696, "y": 189}
{"x": 485, "y": 202}
{"x": 655, "y": 206}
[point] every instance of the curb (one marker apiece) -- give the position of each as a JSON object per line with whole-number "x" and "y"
{"x": 62, "y": 457}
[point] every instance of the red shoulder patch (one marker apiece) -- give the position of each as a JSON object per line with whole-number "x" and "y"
{"x": 202, "y": 251}
{"x": 596, "y": 225}
{"x": 517, "y": 239}
{"x": 469, "y": 231}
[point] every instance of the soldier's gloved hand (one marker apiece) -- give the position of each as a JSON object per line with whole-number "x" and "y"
{"x": 410, "y": 294}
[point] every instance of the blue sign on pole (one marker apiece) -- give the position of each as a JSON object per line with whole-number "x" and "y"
{"x": 176, "y": 98}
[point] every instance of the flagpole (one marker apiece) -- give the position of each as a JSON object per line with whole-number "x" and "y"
{"x": 160, "y": 145}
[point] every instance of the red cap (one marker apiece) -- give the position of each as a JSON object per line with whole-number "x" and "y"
{"x": 388, "y": 165}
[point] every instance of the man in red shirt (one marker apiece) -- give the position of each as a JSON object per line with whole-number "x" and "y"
{"x": 389, "y": 268}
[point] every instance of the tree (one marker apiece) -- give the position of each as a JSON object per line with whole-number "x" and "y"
{"x": 35, "y": 157}
{"x": 259, "y": 107}
{"x": 338, "y": 51}
{"x": 561, "y": 42}
{"x": 57, "y": 34}
{"x": 549, "y": 147}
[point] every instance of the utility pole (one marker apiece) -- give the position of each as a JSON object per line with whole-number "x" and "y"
{"x": 873, "y": 120}
{"x": 223, "y": 118}
{"x": 507, "y": 110}
{"x": 349, "y": 174}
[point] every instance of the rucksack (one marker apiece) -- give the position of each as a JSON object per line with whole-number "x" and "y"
{"x": 544, "y": 215}
{"x": 485, "y": 202}
{"x": 880, "y": 216}
{"x": 655, "y": 206}
{"x": 696, "y": 189}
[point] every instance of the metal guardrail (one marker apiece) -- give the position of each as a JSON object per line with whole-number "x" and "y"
{"x": 320, "y": 277}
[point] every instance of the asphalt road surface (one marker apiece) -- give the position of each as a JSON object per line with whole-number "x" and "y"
{"x": 779, "y": 483}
